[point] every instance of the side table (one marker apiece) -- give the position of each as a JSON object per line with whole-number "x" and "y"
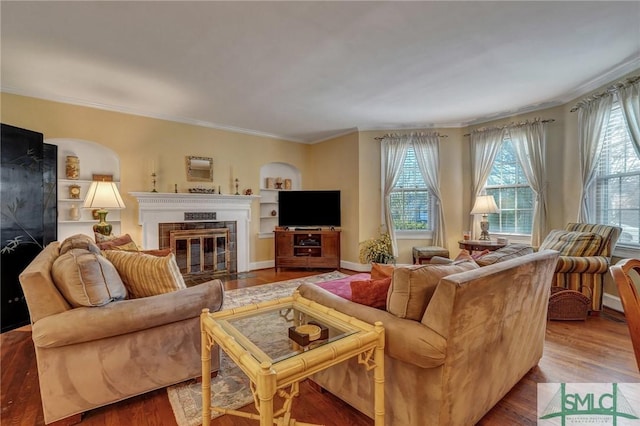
{"x": 480, "y": 245}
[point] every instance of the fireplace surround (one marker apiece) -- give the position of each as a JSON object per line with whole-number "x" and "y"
{"x": 203, "y": 210}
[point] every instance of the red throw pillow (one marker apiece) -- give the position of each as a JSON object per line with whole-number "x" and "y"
{"x": 371, "y": 292}
{"x": 381, "y": 270}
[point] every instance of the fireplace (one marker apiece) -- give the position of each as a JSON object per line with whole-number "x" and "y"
{"x": 160, "y": 213}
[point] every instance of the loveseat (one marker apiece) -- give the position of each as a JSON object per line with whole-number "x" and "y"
{"x": 455, "y": 345}
{"x": 96, "y": 345}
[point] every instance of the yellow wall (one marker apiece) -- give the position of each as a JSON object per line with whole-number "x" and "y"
{"x": 334, "y": 165}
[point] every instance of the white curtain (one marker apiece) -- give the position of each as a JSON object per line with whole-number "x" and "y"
{"x": 629, "y": 97}
{"x": 530, "y": 144}
{"x": 427, "y": 148}
{"x": 591, "y": 118}
{"x": 394, "y": 151}
{"x": 485, "y": 145}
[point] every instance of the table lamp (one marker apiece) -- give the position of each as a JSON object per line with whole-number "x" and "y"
{"x": 103, "y": 196}
{"x": 485, "y": 204}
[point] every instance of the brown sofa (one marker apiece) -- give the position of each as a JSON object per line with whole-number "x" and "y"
{"x": 90, "y": 356}
{"x": 480, "y": 333}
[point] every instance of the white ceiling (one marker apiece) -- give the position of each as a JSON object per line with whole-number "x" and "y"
{"x": 307, "y": 71}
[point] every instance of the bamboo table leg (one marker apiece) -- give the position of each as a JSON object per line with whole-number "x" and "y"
{"x": 378, "y": 376}
{"x": 266, "y": 388}
{"x": 205, "y": 348}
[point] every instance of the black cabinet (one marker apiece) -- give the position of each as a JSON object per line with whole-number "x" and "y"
{"x": 29, "y": 213}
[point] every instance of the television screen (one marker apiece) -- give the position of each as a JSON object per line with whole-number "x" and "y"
{"x": 309, "y": 208}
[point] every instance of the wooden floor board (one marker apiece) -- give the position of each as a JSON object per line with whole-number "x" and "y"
{"x": 596, "y": 350}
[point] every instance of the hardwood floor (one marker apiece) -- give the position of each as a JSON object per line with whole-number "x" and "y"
{"x": 597, "y": 350}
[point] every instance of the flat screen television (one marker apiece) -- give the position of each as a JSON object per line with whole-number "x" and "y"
{"x": 309, "y": 208}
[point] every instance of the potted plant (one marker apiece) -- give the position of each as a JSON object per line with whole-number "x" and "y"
{"x": 377, "y": 250}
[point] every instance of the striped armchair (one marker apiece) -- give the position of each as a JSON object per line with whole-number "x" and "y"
{"x": 585, "y": 254}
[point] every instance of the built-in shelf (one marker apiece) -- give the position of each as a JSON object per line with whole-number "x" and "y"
{"x": 269, "y": 196}
{"x": 94, "y": 159}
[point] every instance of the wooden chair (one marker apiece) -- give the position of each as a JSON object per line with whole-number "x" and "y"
{"x": 630, "y": 300}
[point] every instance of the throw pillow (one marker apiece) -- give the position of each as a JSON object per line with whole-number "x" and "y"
{"x": 505, "y": 253}
{"x": 101, "y": 238}
{"x": 572, "y": 243}
{"x": 381, "y": 270}
{"x": 371, "y": 292}
{"x": 158, "y": 252}
{"x": 412, "y": 287}
{"x": 87, "y": 279}
{"x": 439, "y": 260}
{"x": 146, "y": 275}
{"x": 79, "y": 241}
{"x": 123, "y": 242}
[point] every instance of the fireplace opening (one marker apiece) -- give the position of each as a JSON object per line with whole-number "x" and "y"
{"x": 201, "y": 248}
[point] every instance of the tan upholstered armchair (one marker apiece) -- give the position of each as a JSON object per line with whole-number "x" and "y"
{"x": 585, "y": 255}
{"x": 90, "y": 356}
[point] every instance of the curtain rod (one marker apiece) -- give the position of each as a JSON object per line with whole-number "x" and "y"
{"x": 608, "y": 91}
{"x": 522, "y": 123}
{"x": 385, "y": 136}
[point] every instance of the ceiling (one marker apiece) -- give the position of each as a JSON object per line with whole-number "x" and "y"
{"x": 308, "y": 71}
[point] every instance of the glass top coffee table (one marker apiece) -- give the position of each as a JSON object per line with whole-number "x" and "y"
{"x": 279, "y": 343}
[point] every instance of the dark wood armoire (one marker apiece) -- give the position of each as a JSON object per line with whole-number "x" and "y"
{"x": 28, "y": 194}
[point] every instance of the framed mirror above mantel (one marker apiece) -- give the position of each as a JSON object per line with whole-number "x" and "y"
{"x": 199, "y": 169}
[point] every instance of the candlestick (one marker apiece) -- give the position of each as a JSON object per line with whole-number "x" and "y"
{"x": 237, "y": 193}
{"x": 153, "y": 180}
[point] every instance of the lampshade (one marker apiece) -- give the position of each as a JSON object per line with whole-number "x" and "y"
{"x": 103, "y": 196}
{"x": 485, "y": 204}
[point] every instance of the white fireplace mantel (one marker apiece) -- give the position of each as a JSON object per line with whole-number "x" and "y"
{"x": 157, "y": 207}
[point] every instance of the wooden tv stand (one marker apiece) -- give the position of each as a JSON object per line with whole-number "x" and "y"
{"x": 307, "y": 249}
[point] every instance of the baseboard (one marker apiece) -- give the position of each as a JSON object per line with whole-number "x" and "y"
{"x": 352, "y": 266}
{"x": 265, "y": 264}
{"x": 613, "y": 302}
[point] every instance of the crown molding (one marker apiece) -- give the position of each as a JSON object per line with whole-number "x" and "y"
{"x": 632, "y": 64}
{"x": 337, "y": 135}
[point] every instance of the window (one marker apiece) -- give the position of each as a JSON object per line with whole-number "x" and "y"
{"x": 410, "y": 198}
{"x": 514, "y": 197}
{"x": 618, "y": 180}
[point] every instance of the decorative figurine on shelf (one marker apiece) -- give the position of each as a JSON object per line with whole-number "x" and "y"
{"x": 74, "y": 192}
{"x": 72, "y": 167}
{"x": 237, "y": 182}
{"x": 278, "y": 183}
{"x": 74, "y": 212}
{"x": 248, "y": 192}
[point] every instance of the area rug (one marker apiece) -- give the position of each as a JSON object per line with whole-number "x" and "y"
{"x": 230, "y": 388}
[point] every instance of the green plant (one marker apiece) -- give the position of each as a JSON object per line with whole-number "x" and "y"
{"x": 377, "y": 250}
